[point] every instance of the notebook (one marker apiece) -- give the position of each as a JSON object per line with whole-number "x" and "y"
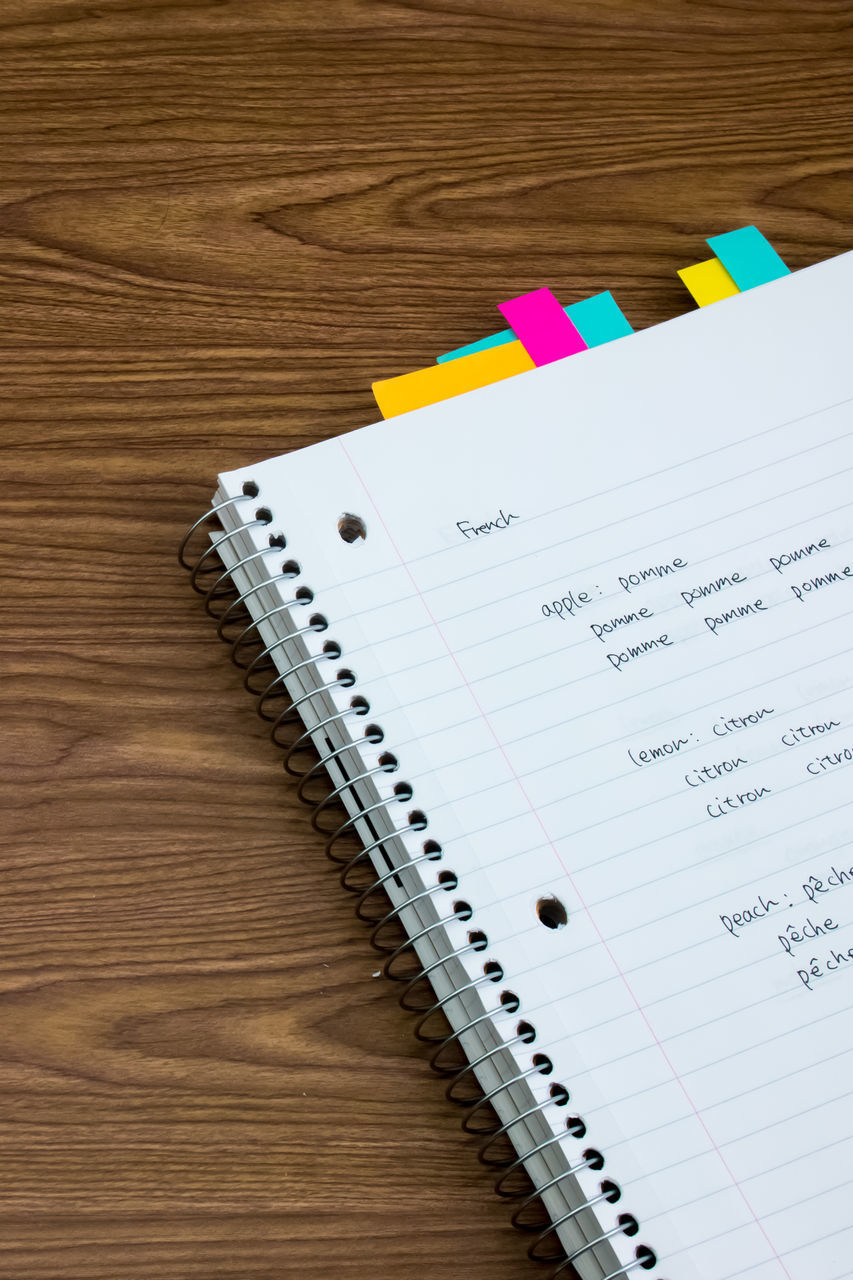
{"x": 575, "y": 651}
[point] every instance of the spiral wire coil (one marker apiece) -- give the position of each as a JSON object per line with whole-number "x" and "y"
{"x": 513, "y": 1167}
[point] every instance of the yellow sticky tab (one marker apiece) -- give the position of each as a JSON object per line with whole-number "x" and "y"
{"x": 708, "y": 282}
{"x": 443, "y": 381}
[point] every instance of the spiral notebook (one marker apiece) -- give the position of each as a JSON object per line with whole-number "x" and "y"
{"x": 574, "y": 650}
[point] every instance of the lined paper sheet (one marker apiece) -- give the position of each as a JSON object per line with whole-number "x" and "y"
{"x": 603, "y": 615}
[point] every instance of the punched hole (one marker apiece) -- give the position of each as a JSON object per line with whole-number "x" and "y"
{"x": 492, "y": 970}
{"x": 331, "y": 649}
{"x": 479, "y": 942}
{"x": 463, "y": 910}
{"x": 403, "y": 791}
{"x": 317, "y": 622}
{"x": 351, "y": 527}
{"x": 418, "y": 820}
{"x": 304, "y": 594}
{"x": 291, "y": 569}
{"x": 359, "y": 705}
{"x": 612, "y": 1191}
{"x": 552, "y": 913}
{"x": 277, "y": 540}
{"x": 646, "y": 1257}
{"x": 559, "y": 1095}
{"x": 264, "y": 515}
{"x": 576, "y": 1127}
{"x": 510, "y": 1001}
{"x": 345, "y": 677}
{"x": 250, "y": 489}
{"x": 629, "y": 1224}
{"x": 543, "y": 1063}
{"x": 594, "y": 1159}
{"x": 432, "y": 849}
{"x": 448, "y": 880}
{"x": 388, "y": 763}
{"x": 374, "y": 734}
{"x": 526, "y": 1032}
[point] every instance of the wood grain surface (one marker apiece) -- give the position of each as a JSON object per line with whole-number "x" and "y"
{"x": 219, "y": 221}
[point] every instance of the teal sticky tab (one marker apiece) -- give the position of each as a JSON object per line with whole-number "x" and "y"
{"x": 493, "y": 340}
{"x": 748, "y": 256}
{"x": 597, "y": 319}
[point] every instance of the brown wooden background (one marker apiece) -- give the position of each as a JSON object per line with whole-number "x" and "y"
{"x": 219, "y": 221}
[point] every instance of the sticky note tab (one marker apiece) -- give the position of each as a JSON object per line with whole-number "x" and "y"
{"x": 482, "y": 344}
{"x": 542, "y": 326}
{"x": 748, "y": 257}
{"x": 442, "y": 381}
{"x": 598, "y": 319}
{"x": 708, "y": 282}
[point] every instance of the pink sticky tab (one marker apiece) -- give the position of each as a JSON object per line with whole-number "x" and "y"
{"x": 542, "y": 326}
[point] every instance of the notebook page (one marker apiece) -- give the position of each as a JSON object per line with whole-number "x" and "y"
{"x": 604, "y": 610}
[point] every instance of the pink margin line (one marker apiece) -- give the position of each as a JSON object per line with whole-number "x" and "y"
{"x": 676, "y": 1077}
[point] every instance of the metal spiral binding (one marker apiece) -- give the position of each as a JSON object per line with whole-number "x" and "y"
{"x": 388, "y": 763}
{"x": 250, "y": 491}
{"x": 223, "y": 585}
{"x": 477, "y": 941}
{"x": 343, "y": 680}
{"x": 238, "y": 604}
{"x": 644, "y": 1259}
{"x": 225, "y": 581}
{"x": 541, "y": 1066}
{"x": 608, "y": 1192}
{"x": 431, "y": 853}
{"x": 525, "y": 1034}
{"x": 592, "y": 1159}
{"x": 302, "y": 598}
{"x": 402, "y": 792}
{"x": 304, "y": 743}
{"x": 559, "y": 1097}
{"x": 315, "y": 623}
{"x": 510, "y": 1003}
{"x": 331, "y": 653}
{"x": 555, "y": 1140}
{"x": 438, "y": 1005}
{"x": 627, "y": 1225}
{"x": 446, "y": 881}
{"x": 461, "y": 911}
{"x": 417, "y": 823}
{"x": 213, "y": 549}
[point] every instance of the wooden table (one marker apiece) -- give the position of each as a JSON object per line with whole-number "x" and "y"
{"x": 220, "y": 222}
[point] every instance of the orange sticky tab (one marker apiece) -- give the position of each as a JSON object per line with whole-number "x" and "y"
{"x": 452, "y": 378}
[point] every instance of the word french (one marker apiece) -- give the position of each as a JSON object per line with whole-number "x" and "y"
{"x": 500, "y": 521}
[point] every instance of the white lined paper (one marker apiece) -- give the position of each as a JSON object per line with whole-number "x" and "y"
{"x": 668, "y": 1029}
